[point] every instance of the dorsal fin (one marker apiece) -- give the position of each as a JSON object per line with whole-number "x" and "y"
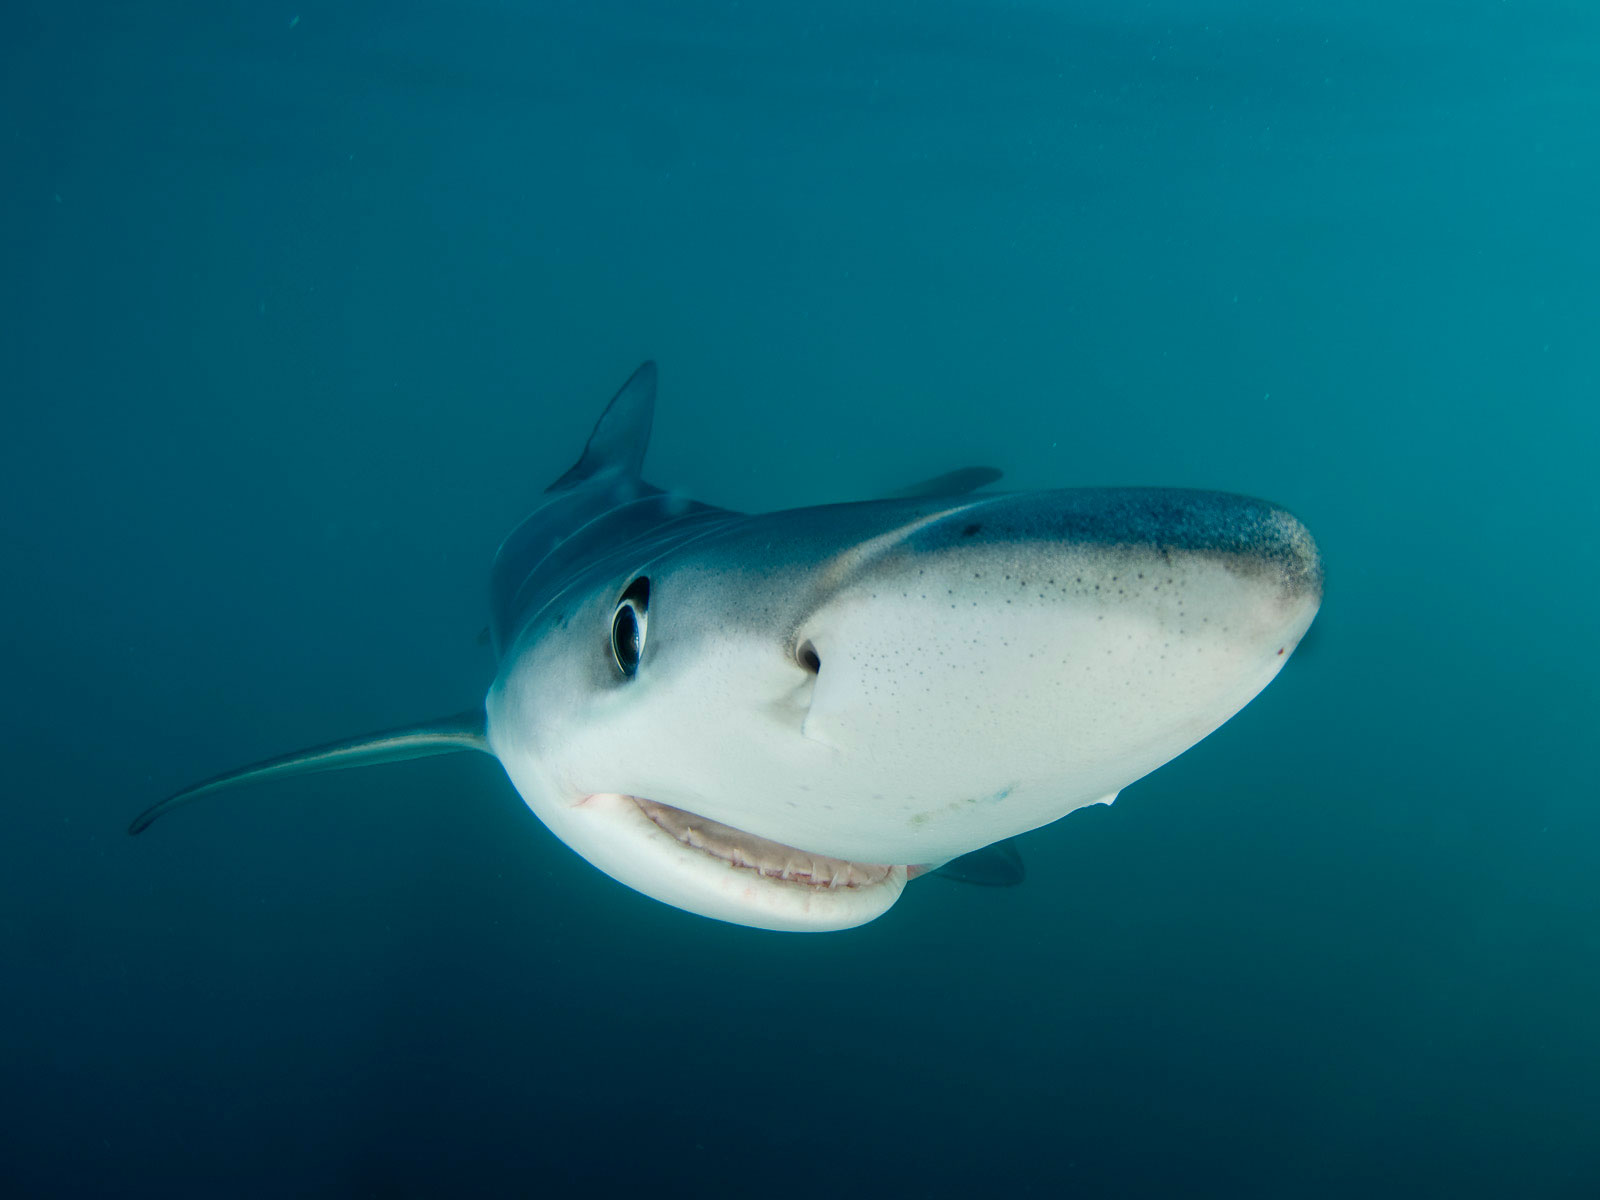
{"x": 464, "y": 731}
{"x": 621, "y": 435}
{"x": 952, "y": 483}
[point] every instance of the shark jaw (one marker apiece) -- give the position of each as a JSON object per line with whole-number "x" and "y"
{"x": 718, "y": 871}
{"x": 772, "y": 860}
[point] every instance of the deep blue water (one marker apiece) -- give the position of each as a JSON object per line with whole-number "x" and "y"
{"x": 304, "y": 304}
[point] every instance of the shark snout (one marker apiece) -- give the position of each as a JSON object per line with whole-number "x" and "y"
{"x": 1251, "y": 537}
{"x": 1214, "y": 554}
{"x": 1272, "y": 542}
{"x": 1085, "y": 637}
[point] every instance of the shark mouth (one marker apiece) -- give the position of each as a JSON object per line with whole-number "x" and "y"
{"x": 773, "y": 860}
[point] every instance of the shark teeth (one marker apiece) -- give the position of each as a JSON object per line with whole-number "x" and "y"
{"x": 773, "y": 860}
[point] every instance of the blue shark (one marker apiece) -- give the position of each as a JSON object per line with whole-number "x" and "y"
{"x": 780, "y": 719}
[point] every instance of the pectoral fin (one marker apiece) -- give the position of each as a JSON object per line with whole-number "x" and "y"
{"x": 999, "y": 865}
{"x": 464, "y": 731}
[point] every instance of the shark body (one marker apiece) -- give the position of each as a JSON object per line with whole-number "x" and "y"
{"x": 778, "y": 719}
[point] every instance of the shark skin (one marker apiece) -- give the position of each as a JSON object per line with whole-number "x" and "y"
{"x": 777, "y": 719}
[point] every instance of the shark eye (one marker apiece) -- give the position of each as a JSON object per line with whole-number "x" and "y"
{"x": 628, "y": 625}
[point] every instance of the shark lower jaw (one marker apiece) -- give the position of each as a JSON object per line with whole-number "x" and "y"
{"x": 717, "y": 871}
{"x": 769, "y": 859}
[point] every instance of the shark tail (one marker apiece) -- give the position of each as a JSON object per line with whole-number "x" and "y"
{"x": 446, "y": 735}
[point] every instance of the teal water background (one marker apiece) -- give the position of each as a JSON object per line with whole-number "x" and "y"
{"x": 302, "y": 305}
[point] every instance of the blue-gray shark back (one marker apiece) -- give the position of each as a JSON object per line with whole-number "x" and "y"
{"x": 778, "y": 719}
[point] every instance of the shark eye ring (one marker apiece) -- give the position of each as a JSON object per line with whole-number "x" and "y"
{"x": 629, "y": 622}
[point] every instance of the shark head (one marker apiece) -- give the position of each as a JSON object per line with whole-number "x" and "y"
{"x": 777, "y": 719}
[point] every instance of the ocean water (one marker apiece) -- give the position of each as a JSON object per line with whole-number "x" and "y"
{"x": 302, "y": 306}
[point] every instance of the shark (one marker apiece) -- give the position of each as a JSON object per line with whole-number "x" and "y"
{"x": 779, "y": 719}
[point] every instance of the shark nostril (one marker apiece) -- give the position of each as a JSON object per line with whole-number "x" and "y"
{"x": 808, "y": 657}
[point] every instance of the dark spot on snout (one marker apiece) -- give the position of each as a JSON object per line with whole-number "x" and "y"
{"x": 969, "y": 530}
